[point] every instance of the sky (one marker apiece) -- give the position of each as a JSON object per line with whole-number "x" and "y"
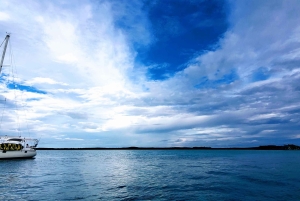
{"x": 151, "y": 73}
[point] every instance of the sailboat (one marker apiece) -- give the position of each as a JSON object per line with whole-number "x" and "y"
{"x": 12, "y": 147}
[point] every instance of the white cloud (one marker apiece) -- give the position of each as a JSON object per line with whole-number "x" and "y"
{"x": 43, "y": 80}
{"x": 4, "y": 16}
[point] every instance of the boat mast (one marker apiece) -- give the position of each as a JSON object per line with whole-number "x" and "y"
{"x": 4, "y": 50}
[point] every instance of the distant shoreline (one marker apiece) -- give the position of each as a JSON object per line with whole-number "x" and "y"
{"x": 265, "y": 147}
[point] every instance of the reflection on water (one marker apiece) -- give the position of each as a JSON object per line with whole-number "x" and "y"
{"x": 153, "y": 175}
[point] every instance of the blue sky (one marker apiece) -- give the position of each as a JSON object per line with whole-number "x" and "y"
{"x": 152, "y": 73}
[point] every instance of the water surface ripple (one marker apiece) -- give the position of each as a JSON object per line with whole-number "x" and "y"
{"x": 153, "y": 175}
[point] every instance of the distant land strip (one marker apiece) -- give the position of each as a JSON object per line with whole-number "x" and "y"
{"x": 264, "y": 147}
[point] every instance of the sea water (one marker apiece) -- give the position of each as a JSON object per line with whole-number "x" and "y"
{"x": 153, "y": 175}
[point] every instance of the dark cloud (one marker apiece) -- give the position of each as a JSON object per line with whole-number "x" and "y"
{"x": 76, "y": 115}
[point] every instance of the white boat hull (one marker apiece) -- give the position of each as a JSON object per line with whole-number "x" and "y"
{"x": 17, "y": 154}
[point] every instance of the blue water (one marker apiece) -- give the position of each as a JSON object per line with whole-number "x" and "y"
{"x": 153, "y": 175}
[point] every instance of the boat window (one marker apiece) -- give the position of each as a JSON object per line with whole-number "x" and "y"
{"x": 18, "y": 140}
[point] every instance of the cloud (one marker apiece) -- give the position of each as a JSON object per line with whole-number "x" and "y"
{"x": 98, "y": 55}
{"x": 43, "y": 80}
{"x": 4, "y": 16}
